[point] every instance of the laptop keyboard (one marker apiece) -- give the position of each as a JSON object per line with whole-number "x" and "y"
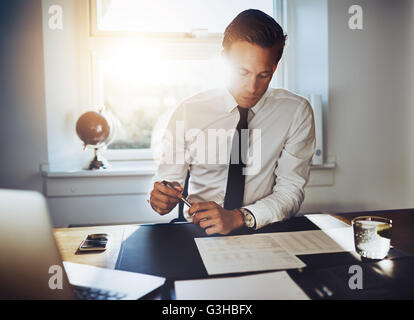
{"x": 86, "y": 293}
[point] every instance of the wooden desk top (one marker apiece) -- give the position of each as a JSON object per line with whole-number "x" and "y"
{"x": 68, "y": 239}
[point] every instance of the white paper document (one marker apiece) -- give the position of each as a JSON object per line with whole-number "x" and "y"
{"x": 310, "y": 242}
{"x": 270, "y": 251}
{"x": 343, "y": 236}
{"x": 264, "y": 286}
{"x": 245, "y": 253}
{"x": 326, "y": 221}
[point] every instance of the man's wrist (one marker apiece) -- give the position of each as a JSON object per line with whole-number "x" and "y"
{"x": 239, "y": 218}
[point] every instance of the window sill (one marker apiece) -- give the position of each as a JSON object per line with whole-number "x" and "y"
{"x": 123, "y": 178}
{"x": 133, "y": 178}
{"x": 117, "y": 169}
{"x": 325, "y": 166}
{"x": 125, "y": 168}
{"x": 322, "y": 175}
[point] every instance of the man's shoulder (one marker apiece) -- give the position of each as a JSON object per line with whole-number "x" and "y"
{"x": 289, "y": 102}
{"x": 198, "y": 104}
{"x": 203, "y": 97}
{"x": 287, "y": 96}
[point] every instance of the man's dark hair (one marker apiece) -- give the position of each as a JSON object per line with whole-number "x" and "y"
{"x": 257, "y": 28}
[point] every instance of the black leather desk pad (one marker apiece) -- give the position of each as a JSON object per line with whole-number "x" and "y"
{"x": 169, "y": 250}
{"x": 386, "y": 279}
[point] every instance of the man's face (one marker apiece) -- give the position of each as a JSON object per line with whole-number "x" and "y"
{"x": 252, "y": 69}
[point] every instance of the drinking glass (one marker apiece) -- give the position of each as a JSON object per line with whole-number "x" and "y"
{"x": 372, "y": 236}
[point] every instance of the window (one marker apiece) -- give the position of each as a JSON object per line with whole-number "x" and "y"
{"x": 147, "y": 56}
{"x": 140, "y": 91}
{"x": 166, "y": 16}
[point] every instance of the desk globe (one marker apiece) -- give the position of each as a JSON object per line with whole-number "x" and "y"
{"x": 95, "y": 130}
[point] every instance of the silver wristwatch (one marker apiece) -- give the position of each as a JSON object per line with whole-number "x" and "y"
{"x": 249, "y": 219}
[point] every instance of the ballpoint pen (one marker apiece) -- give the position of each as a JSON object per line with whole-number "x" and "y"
{"x": 168, "y": 184}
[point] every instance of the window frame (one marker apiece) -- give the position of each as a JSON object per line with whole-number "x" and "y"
{"x": 94, "y": 30}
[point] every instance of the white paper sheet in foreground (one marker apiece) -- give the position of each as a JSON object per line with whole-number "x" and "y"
{"x": 264, "y": 286}
{"x": 245, "y": 253}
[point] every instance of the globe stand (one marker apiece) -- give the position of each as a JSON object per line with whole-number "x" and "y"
{"x": 98, "y": 162}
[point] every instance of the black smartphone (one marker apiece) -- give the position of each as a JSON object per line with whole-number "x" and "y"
{"x": 95, "y": 242}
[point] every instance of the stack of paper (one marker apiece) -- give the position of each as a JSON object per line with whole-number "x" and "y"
{"x": 259, "y": 252}
{"x": 269, "y": 251}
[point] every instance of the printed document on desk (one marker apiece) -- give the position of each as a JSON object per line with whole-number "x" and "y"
{"x": 246, "y": 253}
{"x": 270, "y": 251}
{"x": 316, "y": 241}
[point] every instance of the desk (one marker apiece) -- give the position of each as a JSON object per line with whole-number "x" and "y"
{"x": 69, "y": 239}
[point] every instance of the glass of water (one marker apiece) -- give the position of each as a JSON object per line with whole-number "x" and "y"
{"x": 372, "y": 236}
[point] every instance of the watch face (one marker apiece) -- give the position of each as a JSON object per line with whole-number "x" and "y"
{"x": 249, "y": 220}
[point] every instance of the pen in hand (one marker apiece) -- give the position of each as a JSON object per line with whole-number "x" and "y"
{"x": 188, "y": 203}
{"x": 166, "y": 183}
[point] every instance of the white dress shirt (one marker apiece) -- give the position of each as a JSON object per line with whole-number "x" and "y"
{"x": 281, "y": 149}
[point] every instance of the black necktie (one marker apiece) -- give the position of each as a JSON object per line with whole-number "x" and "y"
{"x": 235, "y": 179}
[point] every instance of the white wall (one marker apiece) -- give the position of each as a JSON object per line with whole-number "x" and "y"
{"x": 65, "y": 82}
{"x": 306, "y": 53}
{"x": 370, "y": 109}
{"x": 23, "y": 144}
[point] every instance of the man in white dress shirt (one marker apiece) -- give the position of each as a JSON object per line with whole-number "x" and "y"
{"x": 261, "y": 181}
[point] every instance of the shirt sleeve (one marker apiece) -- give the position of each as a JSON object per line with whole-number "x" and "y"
{"x": 170, "y": 151}
{"x": 292, "y": 171}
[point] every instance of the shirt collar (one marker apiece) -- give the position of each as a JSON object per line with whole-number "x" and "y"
{"x": 230, "y": 103}
{"x": 261, "y": 102}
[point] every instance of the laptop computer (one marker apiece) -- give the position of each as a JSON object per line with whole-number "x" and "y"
{"x": 31, "y": 266}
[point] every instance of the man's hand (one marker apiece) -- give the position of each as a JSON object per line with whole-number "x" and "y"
{"x": 214, "y": 218}
{"x": 163, "y": 199}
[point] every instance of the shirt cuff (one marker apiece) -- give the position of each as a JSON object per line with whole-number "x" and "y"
{"x": 262, "y": 214}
